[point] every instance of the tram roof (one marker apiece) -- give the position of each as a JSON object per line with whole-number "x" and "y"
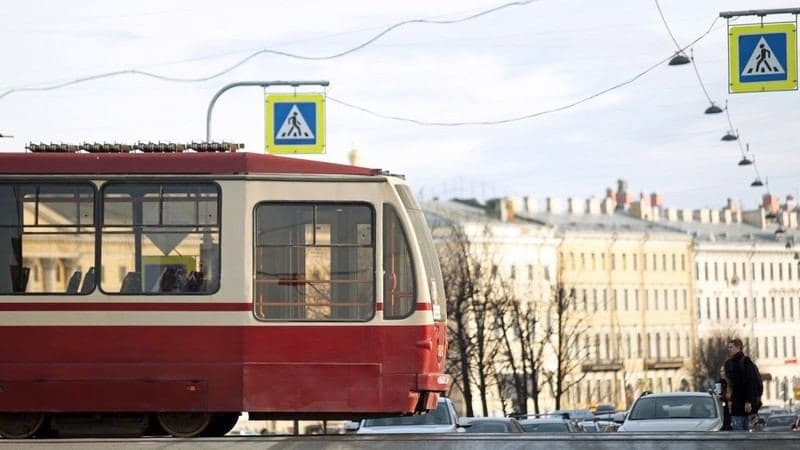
{"x": 169, "y": 163}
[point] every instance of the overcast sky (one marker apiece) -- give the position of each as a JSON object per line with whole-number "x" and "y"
{"x": 521, "y": 60}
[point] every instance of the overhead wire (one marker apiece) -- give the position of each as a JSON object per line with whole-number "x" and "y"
{"x": 364, "y": 44}
{"x": 700, "y": 80}
{"x": 524, "y": 116}
{"x": 732, "y": 135}
{"x": 265, "y": 51}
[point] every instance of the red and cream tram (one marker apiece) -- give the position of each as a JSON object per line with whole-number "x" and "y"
{"x": 153, "y": 289}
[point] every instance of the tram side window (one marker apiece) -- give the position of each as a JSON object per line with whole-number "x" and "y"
{"x": 160, "y": 238}
{"x": 314, "y": 261}
{"x": 46, "y": 237}
{"x": 399, "y": 294}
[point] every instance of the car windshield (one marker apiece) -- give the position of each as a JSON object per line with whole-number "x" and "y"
{"x": 778, "y": 421}
{"x": 648, "y": 408}
{"x": 439, "y": 416}
{"x": 488, "y": 427}
{"x": 543, "y": 427}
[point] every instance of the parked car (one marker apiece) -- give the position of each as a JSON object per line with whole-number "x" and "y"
{"x": 548, "y": 424}
{"x": 674, "y": 411}
{"x": 443, "y": 419}
{"x": 779, "y": 422}
{"x": 604, "y": 409}
{"x": 491, "y": 425}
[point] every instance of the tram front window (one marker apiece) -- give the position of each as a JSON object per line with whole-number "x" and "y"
{"x": 314, "y": 261}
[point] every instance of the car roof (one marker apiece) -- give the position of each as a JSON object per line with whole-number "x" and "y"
{"x": 553, "y": 419}
{"x": 677, "y": 394}
{"x": 489, "y": 419}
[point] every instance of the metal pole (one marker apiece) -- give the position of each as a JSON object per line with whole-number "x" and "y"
{"x": 759, "y": 12}
{"x": 264, "y": 84}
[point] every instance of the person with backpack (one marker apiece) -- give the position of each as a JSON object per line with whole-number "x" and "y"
{"x": 745, "y": 385}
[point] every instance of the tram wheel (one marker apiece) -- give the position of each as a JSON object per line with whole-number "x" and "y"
{"x": 221, "y": 424}
{"x": 20, "y": 425}
{"x": 184, "y": 424}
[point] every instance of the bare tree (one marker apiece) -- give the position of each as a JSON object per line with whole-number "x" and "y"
{"x": 459, "y": 287}
{"x": 469, "y": 287}
{"x": 522, "y": 349}
{"x": 710, "y": 355}
{"x": 566, "y": 333}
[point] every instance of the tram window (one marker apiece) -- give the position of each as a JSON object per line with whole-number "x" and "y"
{"x": 314, "y": 261}
{"x": 47, "y": 229}
{"x": 399, "y": 295}
{"x": 429, "y": 257}
{"x": 160, "y": 238}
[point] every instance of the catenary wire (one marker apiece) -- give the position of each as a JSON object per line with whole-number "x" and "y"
{"x": 265, "y": 51}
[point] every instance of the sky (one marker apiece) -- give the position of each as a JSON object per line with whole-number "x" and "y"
{"x": 466, "y": 98}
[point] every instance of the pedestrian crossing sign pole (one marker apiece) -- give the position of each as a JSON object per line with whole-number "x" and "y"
{"x": 762, "y": 57}
{"x": 295, "y": 123}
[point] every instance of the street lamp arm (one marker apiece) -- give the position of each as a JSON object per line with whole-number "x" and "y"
{"x": 264, "y": 84}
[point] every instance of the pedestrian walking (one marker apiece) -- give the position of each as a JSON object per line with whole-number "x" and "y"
{"x": 745, "y": 386}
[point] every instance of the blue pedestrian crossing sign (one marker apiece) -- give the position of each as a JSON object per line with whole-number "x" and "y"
{"x": 295, "y": 123}
{"x": 762, "y": 57}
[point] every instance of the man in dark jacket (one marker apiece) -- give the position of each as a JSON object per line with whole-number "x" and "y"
{"x": 742, "y": 386}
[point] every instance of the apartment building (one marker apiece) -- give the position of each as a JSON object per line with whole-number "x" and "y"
{"x": 650, "y": 283}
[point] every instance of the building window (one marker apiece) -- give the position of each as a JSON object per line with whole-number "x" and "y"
{"x": 669, "y": 345}
{"x": 628, "y": 340}
{"x": 744, "y": 306}
{"x": 638, "y": 345}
